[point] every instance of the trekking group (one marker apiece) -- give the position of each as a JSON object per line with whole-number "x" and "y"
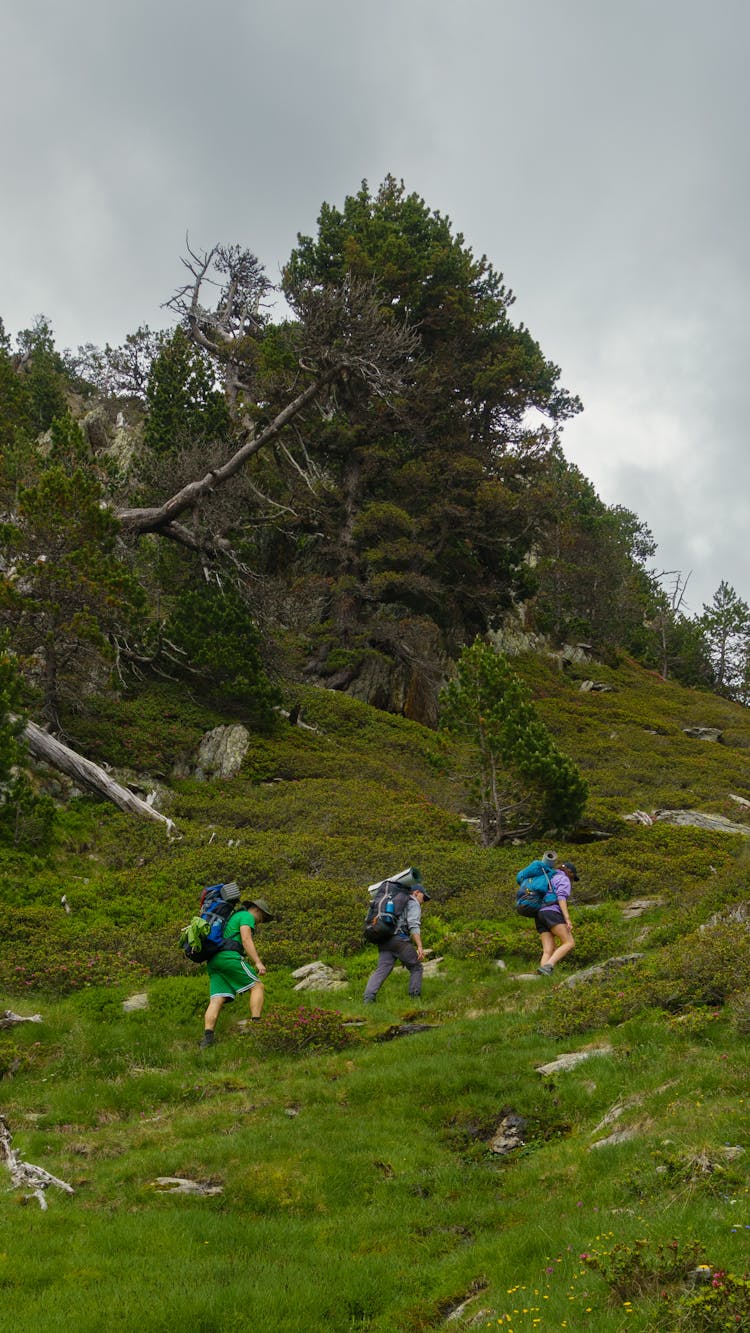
{"x": 222, "y": 935}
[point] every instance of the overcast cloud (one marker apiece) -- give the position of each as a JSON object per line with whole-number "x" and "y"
{"x": 597, "y": 153}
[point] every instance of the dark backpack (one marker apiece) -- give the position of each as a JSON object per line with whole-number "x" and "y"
{"x": 388, "y": 902}
{"x": 534, "y": 889}
{"x": 203, "y": 937}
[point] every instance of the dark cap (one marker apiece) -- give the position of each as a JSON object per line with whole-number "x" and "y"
{"x": 263, "y": 905}
{"x": 420, "y": 888}
{"x": 568, "y": 865}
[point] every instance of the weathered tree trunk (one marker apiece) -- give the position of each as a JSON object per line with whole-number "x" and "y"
{"x": 45, "y": 747}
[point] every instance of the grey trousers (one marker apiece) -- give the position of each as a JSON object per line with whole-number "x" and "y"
{"x": 395, "y": 950}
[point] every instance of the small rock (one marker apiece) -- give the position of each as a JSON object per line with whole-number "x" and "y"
{"x": 179, "y": 1185}
{"x": 703, "y": 733}
{"x": 570, "y": 1060}
{"x": 619, "y": 1136}
{"x": 404, "y": 1030}
{"x": 508, "y": 1135}
{"x": 601, "y": 969}
{"x": 638, "y": 906}
{"x": 135, "y": 1002}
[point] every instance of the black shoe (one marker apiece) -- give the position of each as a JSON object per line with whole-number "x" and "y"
{"x": 208, "y": 1039}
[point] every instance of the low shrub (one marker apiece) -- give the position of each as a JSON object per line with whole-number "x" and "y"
{"x": 722, "y": 1302}
{"x": 298, "y": 1031}
{"x": 704, "y": 969}
{"x": 638, "y": 1268}
{"x": 60, "y": 957}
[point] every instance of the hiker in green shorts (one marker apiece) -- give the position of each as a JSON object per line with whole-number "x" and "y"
{"x": 229, "y": 972}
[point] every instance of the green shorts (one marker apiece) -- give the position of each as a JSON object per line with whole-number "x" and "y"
{"x": 229, "y": 974}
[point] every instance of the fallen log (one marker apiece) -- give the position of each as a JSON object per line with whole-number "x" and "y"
{"x": 90, "y": 775}
{"x": 8, "y": 1018}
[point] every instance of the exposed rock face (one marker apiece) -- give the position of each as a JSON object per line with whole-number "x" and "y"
{"x": 698, "y": 819}
{"x": 220, "y": 754}
{"x": 514, "y": 641}
{"x": 704, "y": 733}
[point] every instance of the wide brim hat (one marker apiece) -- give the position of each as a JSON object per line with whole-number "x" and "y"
{"x": 263, "y": 905}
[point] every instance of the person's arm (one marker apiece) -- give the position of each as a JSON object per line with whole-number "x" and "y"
{"x": 562, "y": 900}
{"x": 248, "y": 944}
{"x": 414, "y": 922}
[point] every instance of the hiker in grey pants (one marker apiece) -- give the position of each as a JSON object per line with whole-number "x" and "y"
{"x": 403, "y": 949}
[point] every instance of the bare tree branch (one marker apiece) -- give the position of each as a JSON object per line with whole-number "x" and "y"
{"x": 46, "y": 747}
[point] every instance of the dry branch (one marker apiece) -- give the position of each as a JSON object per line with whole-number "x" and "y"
{"x": 8, "y": 1018}
{"x": 47, "y": 748}
{"x": 23, "y": 1175}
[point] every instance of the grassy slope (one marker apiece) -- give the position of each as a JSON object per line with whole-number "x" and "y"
{"x": 359, "y": 1189}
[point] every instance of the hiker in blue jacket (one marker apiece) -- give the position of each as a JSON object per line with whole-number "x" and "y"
{"x": 553, "y": 919}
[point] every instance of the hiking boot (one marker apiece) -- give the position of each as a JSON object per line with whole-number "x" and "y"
{"x": 208, "y": 1039}
{"x": 545, "y": 970}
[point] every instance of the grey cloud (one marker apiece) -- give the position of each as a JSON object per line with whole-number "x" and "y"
{"x": 596, "y": 153}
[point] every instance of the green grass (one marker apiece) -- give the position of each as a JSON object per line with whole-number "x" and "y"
{"x": 359, "y": 1191}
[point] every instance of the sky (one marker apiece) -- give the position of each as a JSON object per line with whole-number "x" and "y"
{"x": 596, "y": 151}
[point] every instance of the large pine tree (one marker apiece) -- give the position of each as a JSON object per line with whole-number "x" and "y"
{"x": 430, "y": 512}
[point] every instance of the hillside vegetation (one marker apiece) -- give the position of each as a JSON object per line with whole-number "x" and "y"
{"x": 355, "y": 1182}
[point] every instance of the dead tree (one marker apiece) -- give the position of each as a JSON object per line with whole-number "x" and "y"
{"x": 344, "y": 335}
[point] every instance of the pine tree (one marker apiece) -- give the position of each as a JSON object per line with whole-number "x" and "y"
{"x": 524, "y": 782}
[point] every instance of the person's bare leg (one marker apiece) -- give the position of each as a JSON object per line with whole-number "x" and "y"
{"x": 567, "y": 943}
{"x": 547, "y": 941}
{"x": 215, "y": 1006}
{"x": 257, "y": 996}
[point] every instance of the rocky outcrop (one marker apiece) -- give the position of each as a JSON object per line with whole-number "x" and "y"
{"x": 219, "y": 755}
{"x": 319, "y": 976}
{"x": 688, "y": 819}
{"x": 703, "y": 733}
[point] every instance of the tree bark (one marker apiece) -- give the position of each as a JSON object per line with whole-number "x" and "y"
{"x": 45, "y": 747}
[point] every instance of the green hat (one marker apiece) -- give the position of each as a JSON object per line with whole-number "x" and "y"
{"x": 263, "y": 905}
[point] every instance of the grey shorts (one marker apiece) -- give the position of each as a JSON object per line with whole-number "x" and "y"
{"x": 547, "y": 917}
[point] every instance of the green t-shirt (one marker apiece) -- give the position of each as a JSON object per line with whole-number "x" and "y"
{"x": 235, "y": 923}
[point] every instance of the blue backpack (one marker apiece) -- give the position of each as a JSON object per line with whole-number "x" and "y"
{"x": 534, "y": 888}
{"x": 203, "y": 937}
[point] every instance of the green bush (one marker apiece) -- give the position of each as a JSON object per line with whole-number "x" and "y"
{"x": 638, "y": 1268}
{"x": 294, "y": 1032}
{"x": 59, "y": 957}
